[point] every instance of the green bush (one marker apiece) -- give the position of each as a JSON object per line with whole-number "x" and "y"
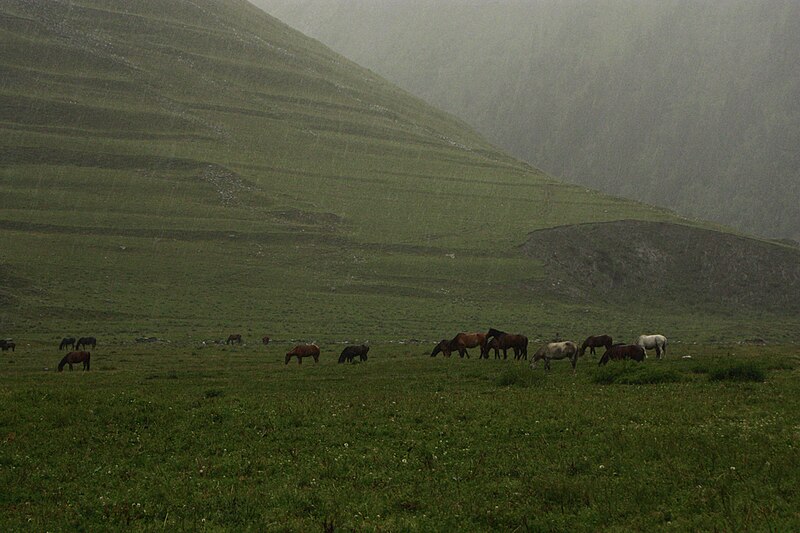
{"x": 738, "y": 372}
{"x": 635, "y": 374}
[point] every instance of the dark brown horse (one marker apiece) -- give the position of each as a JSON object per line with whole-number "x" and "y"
{"x": 619, "y": 352}
{"x": 265, "y": 340}
{"x": 596, "y": 342}
{"x": 492, "y": 344}
{"x": 351, "y": 352}
{"x": 234, "y": 339}
{"x": 460, "y": 343}
{"x": 75, "y": 357}
{"x": 517, "y": 342}
{"x": 86, "y": 341}
{"x": 303, "y": 350}
{"x": 67, "y": 342}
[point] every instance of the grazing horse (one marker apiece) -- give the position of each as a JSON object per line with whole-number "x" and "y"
{"x": 67, "y": 341}
{"x": 619, "y": 352}
{"x": 648, "y": 342}
{"x": 460, "y": 343}
{"x": 75, "y": 357}
{"x": 493, "y": 344}
{"x": 519, "y": 343}
{"x": 234, "y": 339}
{"x": 86, "y": 341}
{"x": 265, "y": 340}
{"x": 350, "y": 352}
{"x": 596, "y": 342}
{"x": 303, "y": 350}
{"x": 557, "y": 350}
{"x": 8, "y": 344}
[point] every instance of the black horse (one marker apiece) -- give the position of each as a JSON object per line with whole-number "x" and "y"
{"x": 8, "y": 344}
{"x": 67, "y": 341}
{"x": 351, "y": 352}
{"x": 86, "y": 341}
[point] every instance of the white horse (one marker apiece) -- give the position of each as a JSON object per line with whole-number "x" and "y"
{"x": 648, "y": 342}
{"x": 557, "y": 350}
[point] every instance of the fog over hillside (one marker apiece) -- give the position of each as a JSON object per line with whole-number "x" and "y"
{"x": 690, "y": 105}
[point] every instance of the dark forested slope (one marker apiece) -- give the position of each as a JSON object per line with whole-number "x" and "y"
{"x": 689, "y": 105}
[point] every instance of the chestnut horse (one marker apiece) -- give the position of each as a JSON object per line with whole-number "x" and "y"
{"x": 67, "y": 341}
{"x": 234, "y": 339}
{"x": 303, "y": 350}
{"x": 460, "y": 342}
{"x": 351, "y": 352}
{"x": 621, "y": 351}
{"x": 596, "y": 342}
{"x": 519, "y": 343}
{"x": 86, "y": 341}
{"x": 557, "y": 350}
{"x": 75, "y": 357}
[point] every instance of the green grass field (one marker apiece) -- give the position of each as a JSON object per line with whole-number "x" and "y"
{"x": 168, "y": 436}
{"x": 189, "y": 170}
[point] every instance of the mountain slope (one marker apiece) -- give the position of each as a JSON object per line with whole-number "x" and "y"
{"x": 190, "y": 168}
{"x": 692, "y": 106}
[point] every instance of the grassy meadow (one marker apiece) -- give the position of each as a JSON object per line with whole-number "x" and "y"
{"x": 189, "y": 170}
{"x": 165, "y": 436}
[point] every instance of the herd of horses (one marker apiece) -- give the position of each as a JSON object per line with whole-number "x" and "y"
{"x": 493, "y": 339}
{"x": 499, "y": 340}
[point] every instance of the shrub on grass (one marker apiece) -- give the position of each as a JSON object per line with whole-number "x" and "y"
{"x": 635, "y": 374}
{"x": 521, "y": 376}
{"x": 737, "y": 372}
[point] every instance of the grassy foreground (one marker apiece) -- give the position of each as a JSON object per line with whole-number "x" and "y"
{"x": 170, "y": 436}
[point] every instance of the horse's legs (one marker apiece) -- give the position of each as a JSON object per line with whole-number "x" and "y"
{"x": 574, "y": 361}
{"x": 299, "y": 360}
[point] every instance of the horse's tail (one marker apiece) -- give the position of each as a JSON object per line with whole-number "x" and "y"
{"x": 664, "y": 351}
{"x": 62, "y": 363}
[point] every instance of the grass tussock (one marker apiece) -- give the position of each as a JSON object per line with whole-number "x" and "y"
{"x": 738, "y": 371}
{"x": 518, "y": 376}
{"x": 635, "y": 374}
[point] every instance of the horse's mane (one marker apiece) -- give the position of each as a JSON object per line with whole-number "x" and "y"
{"x": 495, "y": 333}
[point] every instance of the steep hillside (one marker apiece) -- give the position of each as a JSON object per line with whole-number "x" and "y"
{"x": 193, "y": 168}
{"x": 694, "y": 106}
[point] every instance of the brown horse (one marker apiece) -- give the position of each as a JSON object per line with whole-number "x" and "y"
{"x": 461, "y": 342}
{"x": 265, "y": 340}
{"x": 517, "y": 342}
{"x": 557, "y": 350}
{"x": 234, "y": 339}
{"x": 596, "y": 342}
{"x": 619, "y": 352}
{"x": 75, "y": 357}
{"x": 303, "y": 350}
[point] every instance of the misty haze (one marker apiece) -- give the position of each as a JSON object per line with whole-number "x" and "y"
{"x": 689, "y": 105}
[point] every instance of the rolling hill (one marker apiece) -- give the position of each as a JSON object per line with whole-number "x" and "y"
{"x": 191, "y": 169}
{"x": 689, "y": 105}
